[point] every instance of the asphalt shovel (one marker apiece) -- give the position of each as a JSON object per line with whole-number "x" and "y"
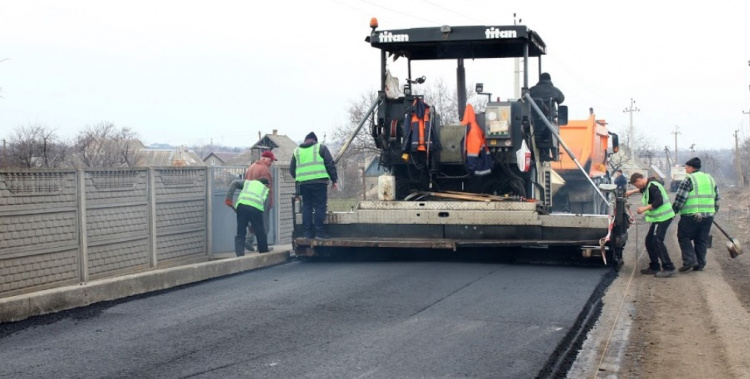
{"x": 733, "y": 245}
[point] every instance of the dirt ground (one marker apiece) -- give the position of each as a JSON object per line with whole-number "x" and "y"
{"x": 694, "y": 325}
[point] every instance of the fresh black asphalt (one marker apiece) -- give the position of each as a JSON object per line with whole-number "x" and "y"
{"x": 394, "y": 319}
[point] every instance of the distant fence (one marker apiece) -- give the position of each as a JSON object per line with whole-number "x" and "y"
{"x": 61, "y": 227}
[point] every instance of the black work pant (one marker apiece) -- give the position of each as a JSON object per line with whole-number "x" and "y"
{"x": 253, "y": 216}
{"x": 314, "y": 198}
{"x": 250, "y": 238}
{"x": 657, "y": 250}
{"x": 692, "y": 234}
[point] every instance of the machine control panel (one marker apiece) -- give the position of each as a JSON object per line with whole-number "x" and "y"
{"x": 498, "y": 121}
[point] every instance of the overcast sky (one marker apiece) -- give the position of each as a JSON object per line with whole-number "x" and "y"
{"x": 187, "y": 72}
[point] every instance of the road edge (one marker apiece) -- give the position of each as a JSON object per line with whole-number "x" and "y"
{"x": 21, "y": 307}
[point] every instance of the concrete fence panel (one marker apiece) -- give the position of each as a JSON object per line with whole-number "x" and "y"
{"x": 61, "y": 227}
{"x": 180, "y": 214}
{"x": 117, "y": 219}
{"x": 39, "y": 230}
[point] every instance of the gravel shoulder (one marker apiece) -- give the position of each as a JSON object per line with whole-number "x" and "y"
{"x": 694, "y": 325}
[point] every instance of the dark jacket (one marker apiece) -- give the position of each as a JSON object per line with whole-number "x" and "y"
{"x": 327, "y": 160}
{"x": 621, "y": 182}
{"x": 545, "y": 90}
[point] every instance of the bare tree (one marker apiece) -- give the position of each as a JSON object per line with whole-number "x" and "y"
{"x": 642, "y": 147}
{"x": 745, "y": 159}
{"x": 36, "y": 146}
{"x": 361, "y": 150}
{"x": 444, "y": 101}
{"x": 106, "y": 145}
{"x": 617, "y": 160}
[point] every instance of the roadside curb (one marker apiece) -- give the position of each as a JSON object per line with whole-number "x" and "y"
{"x": 20, "y": 307}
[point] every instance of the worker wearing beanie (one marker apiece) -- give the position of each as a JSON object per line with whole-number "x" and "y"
{"x": 313, "y": 168}
{"x": 696, "y": 202}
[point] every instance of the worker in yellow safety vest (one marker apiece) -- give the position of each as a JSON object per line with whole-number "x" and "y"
{"x": 696, "y": 201}
{"x": 312, "y": 167}
{"x": 249, "y": 208}
{"x": 658, "y": 211}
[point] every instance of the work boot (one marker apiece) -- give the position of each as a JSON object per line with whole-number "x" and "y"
{"x": 648, "y": 271}
{"x": 688, "y": 267}
{"x": 239, "y": 246}
{"x": 308, "y": 233}
{"x": 320, "y": 233}
{"x": 665, "y": 274}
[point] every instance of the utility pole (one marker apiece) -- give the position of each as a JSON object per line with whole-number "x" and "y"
{"x": 516, "y": 71}
{"x": 676, "y": 132}
{"x": 632, "y": 132}
{"x": 738, "y": 163}
{"x": 748, "y": 112}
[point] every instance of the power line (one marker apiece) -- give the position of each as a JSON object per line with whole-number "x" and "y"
{"x": 676, "y": 132}
{"x": 364, "y": 12}
{"x": 452, "y": 11}
{"x": 399, "y": 12}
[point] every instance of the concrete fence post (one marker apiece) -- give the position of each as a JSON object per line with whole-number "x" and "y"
{"x": 209, "y": 212}
{"x": 277, "y": 208}
{"x": 151, "y": 193}
{"x": 82, "y": 235}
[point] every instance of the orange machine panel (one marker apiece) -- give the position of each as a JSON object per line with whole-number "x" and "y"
{"x": 588, "y": 140}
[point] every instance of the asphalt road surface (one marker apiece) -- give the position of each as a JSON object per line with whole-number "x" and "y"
{"x": 391, "y": 319}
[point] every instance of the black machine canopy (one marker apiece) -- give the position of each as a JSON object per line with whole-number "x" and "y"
{"x": 459, "y": 42}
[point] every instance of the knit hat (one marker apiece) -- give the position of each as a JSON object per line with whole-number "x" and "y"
{"x": 311, "y": 136}
{"x": 545, "y": 76}
{"x": 694, "y": 163}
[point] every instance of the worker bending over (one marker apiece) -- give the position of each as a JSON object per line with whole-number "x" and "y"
{"x": 250, "y": 207}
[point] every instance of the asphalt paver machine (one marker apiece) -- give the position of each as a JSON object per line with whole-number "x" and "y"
{"x": 439, "y": 199}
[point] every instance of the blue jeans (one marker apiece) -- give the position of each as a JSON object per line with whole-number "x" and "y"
{"x": 314, "y": 198}
{"x": 692, "y": 234}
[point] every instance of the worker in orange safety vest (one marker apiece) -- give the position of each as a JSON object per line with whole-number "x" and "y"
{"x": 477, "y": 157}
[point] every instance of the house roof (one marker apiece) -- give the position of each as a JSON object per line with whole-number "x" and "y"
{"x": 374, "y": 169}
{"x": 222, "y": 155}
{"x": 281, "y": 146}
{"x": 168, "y": 157}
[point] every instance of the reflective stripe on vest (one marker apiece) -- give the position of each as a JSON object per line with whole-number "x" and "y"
{"x": 309, "y": 164}
{"x": 664, "y": 212}
{"x": 702, "y": 198}
{"x": 253, "y": 194}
